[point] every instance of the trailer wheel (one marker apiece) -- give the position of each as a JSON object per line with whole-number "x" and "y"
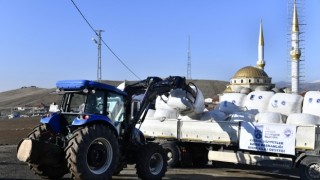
{"x": 92, "y": 152}
{"x": 309, "y": 168}
{"x": 43, "y": 133}
{"x": 151, "y": 162}
{"x": 199, "y": 156}
{"x": 173, "y": 154}
{"x": 119, "y": 168}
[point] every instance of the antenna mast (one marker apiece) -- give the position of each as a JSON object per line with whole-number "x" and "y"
{"x": 98, "y": 42}
{"x": 189, "y": 60}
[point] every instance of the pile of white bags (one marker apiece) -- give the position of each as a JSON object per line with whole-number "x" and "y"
{"x": 185, "y": 103}
{"x": 163, "y": 111}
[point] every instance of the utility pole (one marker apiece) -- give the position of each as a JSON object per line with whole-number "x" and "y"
{"x": 98, "y": 42}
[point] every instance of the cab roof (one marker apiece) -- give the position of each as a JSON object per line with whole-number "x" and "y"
{"x": 74, "y": 85}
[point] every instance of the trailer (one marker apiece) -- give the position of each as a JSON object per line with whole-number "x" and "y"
{"x": 261, "y": 128}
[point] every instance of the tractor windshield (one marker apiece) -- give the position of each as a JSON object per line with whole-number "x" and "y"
{"x": 73, "y": 102}
{"x": 94, "y": 102}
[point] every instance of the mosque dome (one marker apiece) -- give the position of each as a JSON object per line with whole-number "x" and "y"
{"x": 250, "y": 72}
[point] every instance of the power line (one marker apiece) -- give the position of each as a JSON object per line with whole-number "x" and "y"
{"x": 118, "y": 58}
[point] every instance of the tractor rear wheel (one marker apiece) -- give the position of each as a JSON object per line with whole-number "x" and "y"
{"x": 151, "y": 162}
{"x": 92, "y": 152}
{"x": 43, "y": 133}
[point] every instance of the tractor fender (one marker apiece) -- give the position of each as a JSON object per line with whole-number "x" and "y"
{"x": 54, "y": 121}
{"x": 95, "y": 119}
{"x": 137, "y": 138}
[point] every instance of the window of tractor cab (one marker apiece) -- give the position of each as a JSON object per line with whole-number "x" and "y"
{"x": 115, "y": 107}
{"x": 95, "y": 102}
{"x": 72, "y": 101}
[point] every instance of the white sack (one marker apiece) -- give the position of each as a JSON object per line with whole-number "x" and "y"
{"x": 258, "y": 100}
{"x": 285, "y": 103}
{"x": 270, "y": 117}
{"x": 184, "y": 105}
{"x": 190, "y": 117}
{"x": 164, "y": 114}
{"x": 303, "y": 119}
{"x": 311, "y": 103}
{"x": 150, "y": 114}
{"x": 235, "y": 98}
{"x": 161, "y": 102}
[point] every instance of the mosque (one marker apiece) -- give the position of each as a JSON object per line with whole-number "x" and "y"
{"x": 251, "y": 78}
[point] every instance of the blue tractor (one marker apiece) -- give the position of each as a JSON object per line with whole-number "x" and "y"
{"x": 94, "y": 134}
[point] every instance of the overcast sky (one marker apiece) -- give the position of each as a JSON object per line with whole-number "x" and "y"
{"x": 45, "y": 41}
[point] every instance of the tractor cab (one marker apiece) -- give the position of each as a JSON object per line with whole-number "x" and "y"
{"x": 84, "y": 101}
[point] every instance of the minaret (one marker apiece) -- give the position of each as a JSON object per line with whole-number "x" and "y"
{"x": 261, "y": 62}
{"x": 295, "y": 52}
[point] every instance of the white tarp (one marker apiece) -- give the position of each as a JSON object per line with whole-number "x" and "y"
{"x": 273, "y": 138}
{"x": 228, "y": 107}
{"x": 242, "y": 116}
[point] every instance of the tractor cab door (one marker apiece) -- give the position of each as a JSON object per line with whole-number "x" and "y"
{"x": 115, "y": 109}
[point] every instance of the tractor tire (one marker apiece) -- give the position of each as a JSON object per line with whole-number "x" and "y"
{"x": 173, "y": 154}
{"x": 151, "y": 162}
{"x": 42, "y": 133}
{"x": 309, "y": 168}
{"x": 92, "y": 152}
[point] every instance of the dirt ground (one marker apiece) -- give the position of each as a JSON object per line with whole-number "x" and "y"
{"x": 13, "y": 130}
{"x": 11, "y": 168}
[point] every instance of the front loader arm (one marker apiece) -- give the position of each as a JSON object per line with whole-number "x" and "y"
{"x": 154, "y": 86}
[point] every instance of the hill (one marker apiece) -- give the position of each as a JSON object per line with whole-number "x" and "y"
{"x": 313, "y": 86}
{"x": 29, "y": 96}
{"x": 33, "y": 96}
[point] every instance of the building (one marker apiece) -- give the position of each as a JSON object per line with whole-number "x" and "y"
{"x": 295, "y": 52}
{"x": 250, "y": 77}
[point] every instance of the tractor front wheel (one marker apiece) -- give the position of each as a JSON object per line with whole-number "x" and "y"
{"x": 44, "y": 134}
{"x": 151, "y": 162}
{"x": 92, "y": 152}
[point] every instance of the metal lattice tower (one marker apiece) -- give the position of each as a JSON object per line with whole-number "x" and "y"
{"x": 189, "y": 61}
{"x": 300, "y": 6}
{"x": 98, "y": 42}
